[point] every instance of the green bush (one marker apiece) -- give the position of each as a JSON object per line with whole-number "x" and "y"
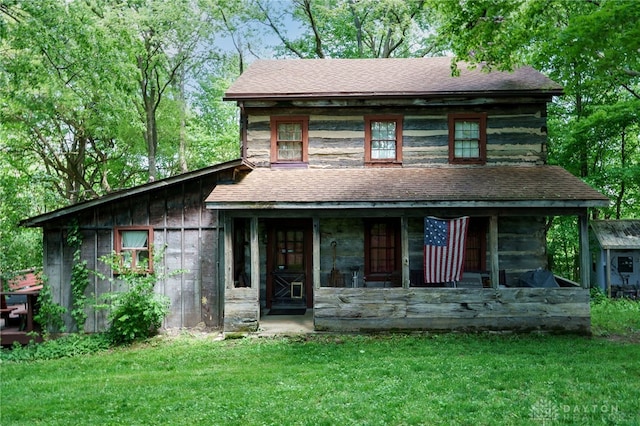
{"x": 137, "y": 311}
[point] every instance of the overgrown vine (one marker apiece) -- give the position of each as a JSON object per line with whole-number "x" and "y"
{"x": 79, "y": 277}
{"x": 49, "y": 314}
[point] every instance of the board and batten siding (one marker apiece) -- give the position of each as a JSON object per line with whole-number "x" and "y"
{"x": 450, "y": 309}
{"x": 515, "y": 135}
{"x": 181, "y": 225}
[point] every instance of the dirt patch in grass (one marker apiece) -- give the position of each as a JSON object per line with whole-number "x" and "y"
{"x": 633, "y": 338}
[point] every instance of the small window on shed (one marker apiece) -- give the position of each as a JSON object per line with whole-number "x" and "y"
{"x": 134, "y": 248}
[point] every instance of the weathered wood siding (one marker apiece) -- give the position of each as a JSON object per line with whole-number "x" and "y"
{"x": 180, "y": 223}
{"x": 521, "y": 309}
{"x": 515, "y": 134}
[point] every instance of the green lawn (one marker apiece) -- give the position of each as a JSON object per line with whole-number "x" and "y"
{"x": 337, "y": 380}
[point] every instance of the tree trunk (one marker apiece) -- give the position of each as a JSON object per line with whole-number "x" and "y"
{"x": 182, "y": 151}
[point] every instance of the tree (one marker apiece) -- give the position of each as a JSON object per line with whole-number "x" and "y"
{"x": 591, "y": 48}
{"x": 67, "y": 110}
{"x": 20, "y": 249}
{"x": 161, "y": 37}
{"x": 349, "y": 28}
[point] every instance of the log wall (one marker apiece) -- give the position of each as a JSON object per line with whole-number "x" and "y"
{"x": 395, "y": 309}
{"x": 180, "y": 223}
{"x": 515, "y": 134}
{"x": 241, "y": 310}
{"x": 521, "y": 245}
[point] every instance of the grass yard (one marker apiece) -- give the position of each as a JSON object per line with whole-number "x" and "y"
{"x": 452, "y": 379}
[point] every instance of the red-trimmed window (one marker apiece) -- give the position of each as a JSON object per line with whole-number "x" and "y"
{"x": 475, "y": 258}
{"x": 383, "y": 139}
{"x": 382, "y": 249}
{"x": 133, "y": 245}
{"x": 289, "y": 139}
{"x": 468, "y": 138}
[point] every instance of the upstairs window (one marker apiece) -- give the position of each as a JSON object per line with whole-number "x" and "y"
{"x": 383, "y": 139}
{"x": 468, "y": 138}
{"x": 133, "y": 247}
{"x": 289, "y": 139}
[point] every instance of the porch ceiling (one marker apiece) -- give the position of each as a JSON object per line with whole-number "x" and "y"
{"x": 498, "y": 186}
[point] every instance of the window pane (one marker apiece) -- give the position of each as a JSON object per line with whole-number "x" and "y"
{"x": 383, "y": 150}
{"x": 289, "y": 132}
{"x": 382, "y": 248}
{"x": 383, "y": 140}
{"x": 126, "y": 259}
{"x": 467, "y": 139}
{"x": 134, "y": 239}
{"x": 467, "y": 130}
{"x": 467, "y": 149}
{"x": 143, "y": 259}
{"x": 290, "y": 151}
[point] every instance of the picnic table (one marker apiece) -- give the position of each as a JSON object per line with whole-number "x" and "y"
{"x": 23, "y": 311}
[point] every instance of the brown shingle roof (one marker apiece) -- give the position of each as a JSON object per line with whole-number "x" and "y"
{"x": 330, "y": 78}
{"x": 538, "y": 186}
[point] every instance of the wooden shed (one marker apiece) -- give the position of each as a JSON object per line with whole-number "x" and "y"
{"x": 618, "y": 261}
{"x": 171, "y": 212}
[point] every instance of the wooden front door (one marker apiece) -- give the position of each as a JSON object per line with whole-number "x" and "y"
{"x": 289, "y": 278}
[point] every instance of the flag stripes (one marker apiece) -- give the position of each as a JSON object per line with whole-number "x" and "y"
{"x": 444, "y": 249}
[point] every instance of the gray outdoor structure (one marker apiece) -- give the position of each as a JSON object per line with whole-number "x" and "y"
{"x": 618, "y": 261}
{"x": 322, "y": 212}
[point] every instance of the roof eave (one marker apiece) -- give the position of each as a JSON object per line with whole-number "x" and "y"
{"x": 39, "y": 220}
{"x": 322, "y": 205}
{"x": 238, "y": 97}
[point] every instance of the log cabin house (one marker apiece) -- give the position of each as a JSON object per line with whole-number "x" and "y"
{"x": 342, "y": 161}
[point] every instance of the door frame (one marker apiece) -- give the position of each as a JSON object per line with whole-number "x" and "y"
{"x": 306, "y": 225}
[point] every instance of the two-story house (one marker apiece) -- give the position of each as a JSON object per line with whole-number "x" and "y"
{"x": 344, "y": 164}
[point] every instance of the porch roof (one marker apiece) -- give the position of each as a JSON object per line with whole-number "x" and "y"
{"x": 485, "y": 186}
{"x": 381, "y": 78}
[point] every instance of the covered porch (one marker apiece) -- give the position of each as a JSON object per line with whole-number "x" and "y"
{"x": 282, "y": 247}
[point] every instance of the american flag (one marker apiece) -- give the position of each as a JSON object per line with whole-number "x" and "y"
{"x": 444, "y": 247}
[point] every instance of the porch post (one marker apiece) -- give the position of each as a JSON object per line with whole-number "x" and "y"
{"x": 316, "y": 252}
{"x": 585, "y": 261}
{"x": 404, "y": 238}
{"x": 255, "y": 255}
{"x": 608, "y": 269}
{"x": 228, "y": 252}
{"x": 493, "y": 251}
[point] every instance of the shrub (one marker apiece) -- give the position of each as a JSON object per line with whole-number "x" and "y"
{"x": 136, "y": 312}
{"x": 62, "y": 347}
